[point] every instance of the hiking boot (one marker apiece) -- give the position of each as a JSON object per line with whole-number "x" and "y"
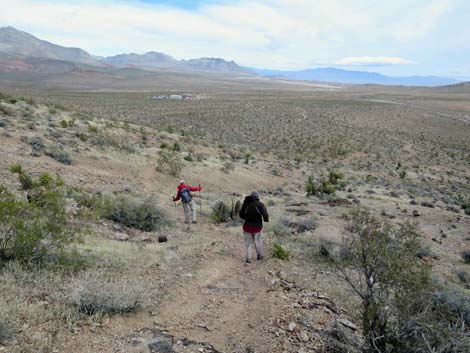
{"x": 259, "y": 257}
{"x": 247, "y": 261}
{"x": 194, "y": 222}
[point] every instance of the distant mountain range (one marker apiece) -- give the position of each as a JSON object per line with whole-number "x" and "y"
{"x": 331, "y": 74}
{"x": 23, "y": 53}
{"x": 163, "y": 61}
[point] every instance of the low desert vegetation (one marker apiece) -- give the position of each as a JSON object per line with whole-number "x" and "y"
{"x": 225, "y": 211}
{"x": 32, "y": 228}
{"x": 135, "y": 212}
{"x": 402, "y": 309}
{"x": 390, "y": 276}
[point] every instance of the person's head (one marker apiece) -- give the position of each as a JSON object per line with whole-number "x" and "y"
{"x": 181, "y": 182}
{"x": 254, "y": 195}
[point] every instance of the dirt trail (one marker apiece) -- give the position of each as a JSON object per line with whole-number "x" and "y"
{"x": 225, "y": 302}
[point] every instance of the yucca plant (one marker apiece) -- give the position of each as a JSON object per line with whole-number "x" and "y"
{"x": 25, "y": 179}
{"x": 224, "y": 211}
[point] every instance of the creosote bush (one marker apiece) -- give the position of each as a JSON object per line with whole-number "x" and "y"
{"x": 402, "y": 309}
{"x": 30, "y": 229}
{"x": 133, "y": 212}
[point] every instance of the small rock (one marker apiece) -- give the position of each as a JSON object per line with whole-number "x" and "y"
{"x": 292, "y": 326}
{"x": 120, "y": 236}
{"x": 162, "y": 238}
{"x": 303, "y": 336}
{"x": 416, "y": 213}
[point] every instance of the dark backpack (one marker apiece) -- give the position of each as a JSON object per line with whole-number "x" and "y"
{"x": 186, "y": 195}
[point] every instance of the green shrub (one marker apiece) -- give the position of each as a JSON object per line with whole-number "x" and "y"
{"x": 280, "y": 253}
{"x": 143, "y": 214}
{"x": 189, "y": 158}
{"x": 28, "y": 230}
{"x": 324, "y": 187}
{"x": 25, "y": 179}
{"x": 170, "y": 163}
{"x": 334, "y": 177}
{"x": 176, "y": 147}
{"x": 223, "y": 211}
{"x": 402, "y": 309}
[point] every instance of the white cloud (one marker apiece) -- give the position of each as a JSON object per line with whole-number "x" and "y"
{"x": 373, "y": 61}
{"x": 285, "y": 34}
{"x": 416, "y": 25}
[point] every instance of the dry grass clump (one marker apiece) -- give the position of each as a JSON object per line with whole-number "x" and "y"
{"x": 104, "y": 293}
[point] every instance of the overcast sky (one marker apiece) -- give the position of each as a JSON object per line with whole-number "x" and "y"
{"x": 399, "y": 37}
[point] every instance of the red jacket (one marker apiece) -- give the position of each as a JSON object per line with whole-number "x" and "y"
{"x": 182, "y": 186}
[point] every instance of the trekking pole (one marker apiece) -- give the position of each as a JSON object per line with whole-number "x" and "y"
{"x": 176, "y": 212}
{"x": 200, "y": 198}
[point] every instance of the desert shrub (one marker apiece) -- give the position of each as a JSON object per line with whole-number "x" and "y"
{"x": 25, "y": 179}
{"x": 279, "y": 229}
{"x": 37, "y": 145}
{"x": 92, "y": 128}
{"x": 280, "y": 253}
{"x": 464, "y": 277}
{"x": 60, "y": 156}
{"x": 427, "y": 204}
{"x": 402, "y": 310}
{"x": 5, "y": 110}
{"x": 143, "y": 214}
{"x": 103, "y": 294}
{"x": 176, "y": 147}
{"x": 223, "y": 211}
{"x": 323, "y": 187}
{"x": 299, "y": 225}
{"x": 29, "y": 230}
{"x": 82, "y": 136}
{"x": 4, "y": 333}
{"x": 465, "y": 256}
{"x": 326, "y": 249}
{"x": 334, "y": 177}
{"x": 169, "y": 162}
{"x": 465, "y": 204}
{"x": 189, "y": 158}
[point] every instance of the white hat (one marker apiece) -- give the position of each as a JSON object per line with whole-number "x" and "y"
{"x": 181, "y": 181}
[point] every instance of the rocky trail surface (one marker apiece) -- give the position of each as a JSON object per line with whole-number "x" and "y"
{"x": 219, "y": 304}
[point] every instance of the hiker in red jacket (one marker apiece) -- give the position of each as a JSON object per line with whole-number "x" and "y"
{"x": 254, "y": 212}
{"x": 184, "y": 194}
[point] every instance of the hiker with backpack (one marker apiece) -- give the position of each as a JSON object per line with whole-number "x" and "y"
{"x": 254, "y": 212}
{"x": 184, "y": 194}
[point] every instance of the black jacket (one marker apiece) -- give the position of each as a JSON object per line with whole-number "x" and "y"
{"x": 253, "y": 212}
